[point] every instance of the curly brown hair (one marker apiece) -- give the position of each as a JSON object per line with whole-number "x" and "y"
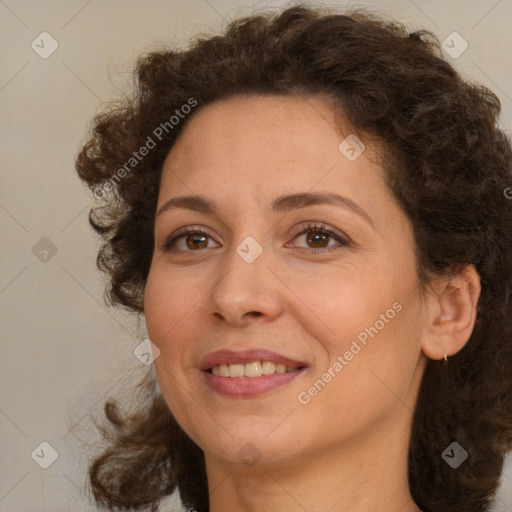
{"x": 447, "y": 164}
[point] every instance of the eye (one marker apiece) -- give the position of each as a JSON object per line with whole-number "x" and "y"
{"x": 192, "y": 238}
{"x": 318, "y": 235}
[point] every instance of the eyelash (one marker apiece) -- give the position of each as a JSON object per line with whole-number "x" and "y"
{"x": 320, "y": 228}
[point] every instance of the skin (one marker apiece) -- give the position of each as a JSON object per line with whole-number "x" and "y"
{"x": 346, "y": 449}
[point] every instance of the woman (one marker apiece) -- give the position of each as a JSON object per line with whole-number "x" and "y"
{"x": 311, "y": 213}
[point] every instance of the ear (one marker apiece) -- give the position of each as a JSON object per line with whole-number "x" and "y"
{"x": 451, "y": 313}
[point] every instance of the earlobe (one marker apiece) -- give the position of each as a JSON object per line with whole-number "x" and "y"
{"x": 451, "y": 313}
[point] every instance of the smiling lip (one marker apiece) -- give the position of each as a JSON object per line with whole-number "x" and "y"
{"x": 248, "y": 386}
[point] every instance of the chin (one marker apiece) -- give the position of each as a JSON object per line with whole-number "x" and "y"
{"x": 249, "y": 451}
{"x": 243, "y": 436}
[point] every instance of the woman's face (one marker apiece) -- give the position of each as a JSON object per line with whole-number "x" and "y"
{"x": 326, "y": 288}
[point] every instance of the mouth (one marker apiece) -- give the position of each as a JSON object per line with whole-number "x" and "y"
{"x": 249, "y": 373}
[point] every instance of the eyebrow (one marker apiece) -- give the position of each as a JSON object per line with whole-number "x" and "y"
{"x": 281, "y": 204}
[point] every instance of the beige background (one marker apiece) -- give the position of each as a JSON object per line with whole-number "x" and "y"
{"x": 63, "y": 351}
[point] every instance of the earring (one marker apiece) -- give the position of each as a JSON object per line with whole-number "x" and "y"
{"x": 445, "y": 358}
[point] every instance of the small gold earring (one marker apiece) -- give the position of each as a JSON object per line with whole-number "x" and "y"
{"x": 445, "y": 358}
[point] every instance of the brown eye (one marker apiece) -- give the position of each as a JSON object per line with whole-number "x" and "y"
{"x": 318, "y": 238}
{"x": 194, "y": 240}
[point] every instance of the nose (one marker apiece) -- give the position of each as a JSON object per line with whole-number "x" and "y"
{"x": 246, "y": 292}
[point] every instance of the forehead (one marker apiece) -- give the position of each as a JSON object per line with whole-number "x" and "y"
{"x": 278, "y": 117}
{"x": 244, "y": 152}
{"x": 264, "y": 138}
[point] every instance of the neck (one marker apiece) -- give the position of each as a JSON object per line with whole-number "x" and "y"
{"x": 363, "y": 475}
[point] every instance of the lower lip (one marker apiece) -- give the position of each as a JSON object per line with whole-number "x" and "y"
{"x": 249, "y": 386}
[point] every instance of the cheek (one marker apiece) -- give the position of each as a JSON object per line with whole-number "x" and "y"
{"x": 155, "y": 301}
{"x": 344, "y": 304}
{"x": 173, "y": 309}
{"x": 167, "y": 301}
{"x": 165, "y": 312}
{"x": 368, "y": 316}
{"x": 162, "y": 312}
{"x": 370, "y": 366}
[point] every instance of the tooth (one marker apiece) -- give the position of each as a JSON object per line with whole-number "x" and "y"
{"x": 252, "y": 369}
{"x": 236, "y": 370}
{"x": 268, "y": 368}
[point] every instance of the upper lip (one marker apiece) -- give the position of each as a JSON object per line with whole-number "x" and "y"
{"x": 247, "y": 356}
